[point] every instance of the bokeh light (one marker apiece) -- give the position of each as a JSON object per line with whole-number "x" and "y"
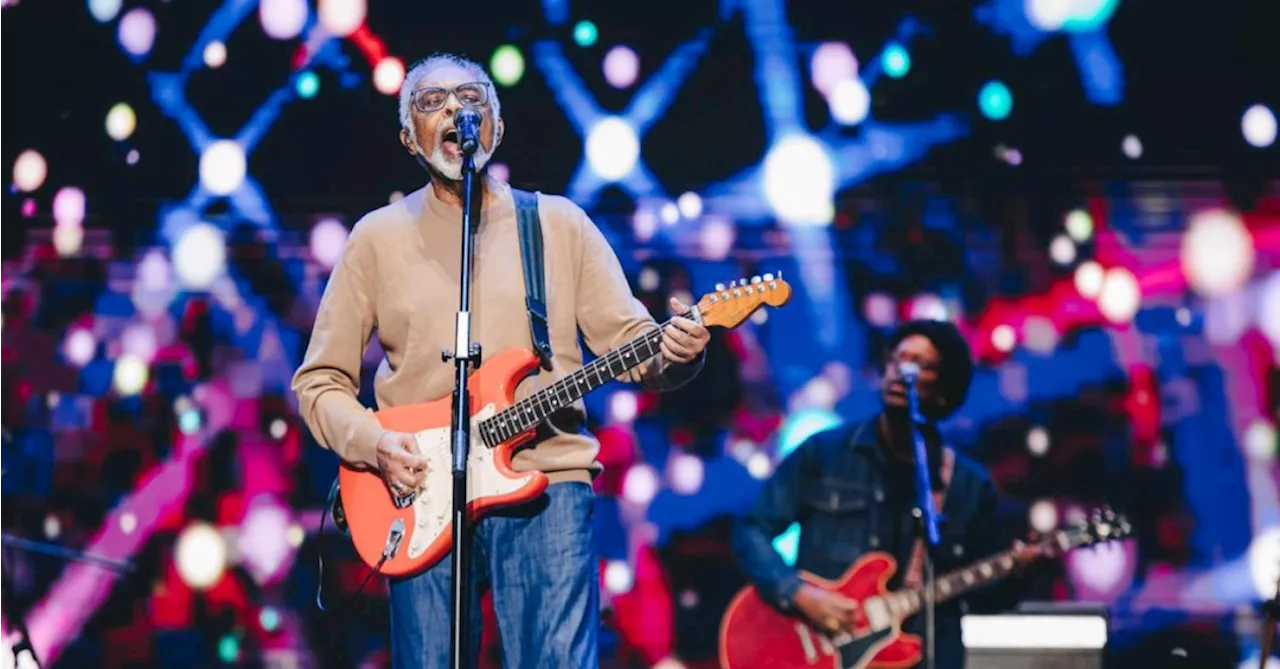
{"x": 1062, "y": 250}
{"x": 612, "y": 148}
{"x": 621, "y": 67}
{"x": 222, "y": 166}
{"x": 200, "y": 556}
{"x": 103, "y": 11}
{"x": 1260, "y": 441}
{"x": 799, "y": 181}
{"x": 1264, "y": 561}
{"x": 1131, "y": 146}
{"x": 130, "y": 375}
{"x": 623, "y": 406}
{"x": 1259, "y": 126}
{"x": 137, "y": 32}
{"x": 342, "y": 17}
{"x": 282, "y": 19}
{"x": 585, "y": 33}
{"x": 29, "y": 171}
{"x": 67, "y": 239}
{"x": 215, "y": 54}
{"x": 618, "y": 577}
{"x": 686, "y": 472}
{"x": 1088, "y": 278}
{"x": 1038, "y": 441}
{"x": 690, "y": 205}
{"x": 832, "y": 63}
{"x": 328, "y": 238}
{"x": 716, "y": 237}
{"x": 850, "y": 102}
{"x": 199, "y": 257}
{"x": 79, "y": 346}
{"x": 1048, "y": 15}
{"x": 640, "y": 484}
{"x": 388, "y": 76}
{"x": 995, "y": 100}
{"x": 1120, "y": 297}
{"x": 121, "y": 121}
{"x": 801, "y": 425}
{"x": 68, "y": 206}
{"x": 1079, "y": 225}
{"x": 307, "y": 85}
{"x": 1217, "y": 252}
{"x": 507, "y": 65}
{"x": 896, "y": 61}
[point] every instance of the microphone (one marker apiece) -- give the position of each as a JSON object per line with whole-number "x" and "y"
{"x": 468, "y": 126}
{"x": 910, "y": 371}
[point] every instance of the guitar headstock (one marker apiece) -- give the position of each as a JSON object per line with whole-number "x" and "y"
{"x": 730, "y": 305}
{"x": 1101, "y": 526}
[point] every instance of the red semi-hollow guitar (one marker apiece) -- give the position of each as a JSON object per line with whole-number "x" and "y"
{"x": 399, "y": 536}
{"x": 755, "y": 634}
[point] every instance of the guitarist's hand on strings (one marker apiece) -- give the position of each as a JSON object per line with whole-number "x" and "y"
{"x": 683, "y": 339}
{"x": 403, "y": 469}
{"x": 828, "y": 610}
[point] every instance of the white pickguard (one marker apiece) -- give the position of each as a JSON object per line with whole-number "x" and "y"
{"x": 433, "y": 509}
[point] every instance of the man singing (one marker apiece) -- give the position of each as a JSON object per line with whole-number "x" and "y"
{"x": 399, "y": 275}
{"x": 852, "y": 489}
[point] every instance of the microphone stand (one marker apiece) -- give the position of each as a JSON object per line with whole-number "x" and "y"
{"x": 463, "y": 355}
{"x": 925, "y": 512}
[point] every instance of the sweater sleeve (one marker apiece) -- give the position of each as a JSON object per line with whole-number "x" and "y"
{"x": 329, "y": 378}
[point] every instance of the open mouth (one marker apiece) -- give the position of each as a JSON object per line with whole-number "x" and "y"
{"x": 451, "y": 136}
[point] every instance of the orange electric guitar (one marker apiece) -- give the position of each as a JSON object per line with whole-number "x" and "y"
{"x": 399, "y": 536}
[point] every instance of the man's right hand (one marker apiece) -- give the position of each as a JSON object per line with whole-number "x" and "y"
{"x": 828, "y": 610}
{"x": 403, "y": 468}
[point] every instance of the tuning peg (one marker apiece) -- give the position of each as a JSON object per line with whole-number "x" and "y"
{"x": 755, "y": 279}
{"x": 720, "y": 287}
{"x": 768, "y": 277}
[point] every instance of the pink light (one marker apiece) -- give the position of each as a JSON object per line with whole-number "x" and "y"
{"x": 621, "y": 67}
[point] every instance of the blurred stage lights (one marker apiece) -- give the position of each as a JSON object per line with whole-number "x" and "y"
{"x": 832, "y": 63}
{"x": 307, "y": 84}
{"x": 130, "y": 375}
{"x": 585, "y": 33}
{"x": 896, "y": 61}
{"x": 222, "y": 166}
{"x": 1131, "y": 146}
{"x": 328, "y": 238}
{"x": 200, "y": 556}
{"x": 68, "y": 207}
{"x": 121, "y": 121}
{"x": 388, "y": 75}
{"x": 29, "y": 171}
{"x": 1120, "y": 297}
{"x": 1079, "y": 225}
{"x": 104, "y": 10}
{"x": 282, "y": 19}
{"x": 1062, "y": 250}
{"x": 799, "y": 181}
{"x": 137, "y": 32}
{"x": 621, "y": 67}
{"x": 507, "y": 65}
{"x": 1217, "y": 253}
{"x": 199, "y": 257}
{"x": 1259, "y": 126}
{"x": 850, "y": 102}
{"x": 995, "y": 100}
{"x": 1048, "y": 15}
{"x": 612, "y": 148}
{"x": 342, "y": 17}
{"x": 1088, "y": 279}
{"x": 215, "y": 54}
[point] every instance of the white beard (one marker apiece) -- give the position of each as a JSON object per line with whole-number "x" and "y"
{"x": 451, "y": 168}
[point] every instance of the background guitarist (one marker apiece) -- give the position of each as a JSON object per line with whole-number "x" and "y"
{"x": 852, "y": 490}
{"x": 399, "y": 275}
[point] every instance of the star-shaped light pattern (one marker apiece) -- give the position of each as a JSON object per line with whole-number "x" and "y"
{"x": 1083, "y": 22}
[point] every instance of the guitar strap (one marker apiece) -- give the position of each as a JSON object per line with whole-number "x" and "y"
{"x": 915, "y": 569}
{"x": 530, "y": 225}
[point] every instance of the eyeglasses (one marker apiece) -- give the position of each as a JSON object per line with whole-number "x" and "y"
{"x": 472, "y": 94}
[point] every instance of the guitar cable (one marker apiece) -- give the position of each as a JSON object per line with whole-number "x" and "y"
{"x": 394, "y": 537}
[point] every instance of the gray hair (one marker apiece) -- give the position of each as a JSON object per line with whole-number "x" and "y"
{"x": 421, "y": 68}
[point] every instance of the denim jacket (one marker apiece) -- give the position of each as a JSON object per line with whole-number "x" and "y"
{"x": 837, "y": 486}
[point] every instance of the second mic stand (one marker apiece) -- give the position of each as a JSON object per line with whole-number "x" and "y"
{"x": 463, "y": 355}
{"x": 926, "y": 513}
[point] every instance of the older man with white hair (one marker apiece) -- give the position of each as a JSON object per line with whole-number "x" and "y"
{"x": 398, "y": 275}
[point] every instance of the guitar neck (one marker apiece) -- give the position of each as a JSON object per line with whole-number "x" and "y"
{"x": 956, "y": 583}
{"x": 532, "y": 410}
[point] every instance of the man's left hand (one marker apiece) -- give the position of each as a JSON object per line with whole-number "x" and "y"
{"x": 683, "y": 340}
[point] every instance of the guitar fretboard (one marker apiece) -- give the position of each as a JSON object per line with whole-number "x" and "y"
{"x": 908, "y": 602}
{"x": 532, "y": 410}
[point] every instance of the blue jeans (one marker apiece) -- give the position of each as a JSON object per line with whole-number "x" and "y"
{"x": 540, "y": 560}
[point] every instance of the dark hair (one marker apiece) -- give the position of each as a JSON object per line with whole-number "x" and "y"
{"x": 955, "y": 372}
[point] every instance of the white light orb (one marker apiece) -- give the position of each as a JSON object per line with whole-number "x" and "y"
{"x": 1088, "y": 279}
{"x": 1048, "y": 15}
{"x": 222, "y": 166}
{"x": 928, "y": 307}
{"x": 328, "y": 239}
{"x": 388, "y": 76}
{"x": 640, "y": 484}
{"x": 832, "y": 63}
{"x": 282, "y": 19}
{"x": 623, "y": 406}
{"x": 200, "y": 256}
{"x": 130, "y": 375}
{"x": 669, "y": 213}
{"x": 1260, "y": 441}
{"x": 612, "y": 148}
{"x": 1120, "y": 297}
{"x": 342, "y": 17}
{"x": 153, "y": 271}
{"x": 1079, "y": 225}
{"x": 1038, "y": 441}
{"x": 685, "y": 471}
{"x": 690, "y": 205}
{"x": 128, "y": 522}
{"x": 1062, "y": 250}
{"x": 644, "y": 224}
{"x": 79, "y": 347}
{"x": 68, "y": 206}
{"x": 618, "y": 577}
{"x": 121, "y": 121}
{"x": 1217, "y": 253}
{"x": 1043, "y": 516}
{"x": 716, "y": 237}
{"x": 139, "y": 340}
{"x": 67, "y": 239}
{"x": 278, "y": 429}
{"x": 200, "y": 556}
{"x": 1131, "y": 146}
{"x": 137, "y": 32}
{"x": 649, "y": 279}
{"x": 799, "y": 181}
{"x": 621, "y": 67}
{"x": 1003, "y": 337}
{"x": 1259, "y": 126}
{"x": 215, "y": 54}
{"x": 850, "y": 102}
{"x": 1039, "y": 334}
{"x": 262, "y": 543}
{"x": 104, "y": 10}
{"x": 1264, "y": 561}
{"x": 52, "y": 526}
{"x": 759, "y": 466}
{"x": 29, "y": 170}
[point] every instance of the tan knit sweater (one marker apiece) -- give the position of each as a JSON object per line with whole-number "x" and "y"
{"x": 398, "y": 277}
